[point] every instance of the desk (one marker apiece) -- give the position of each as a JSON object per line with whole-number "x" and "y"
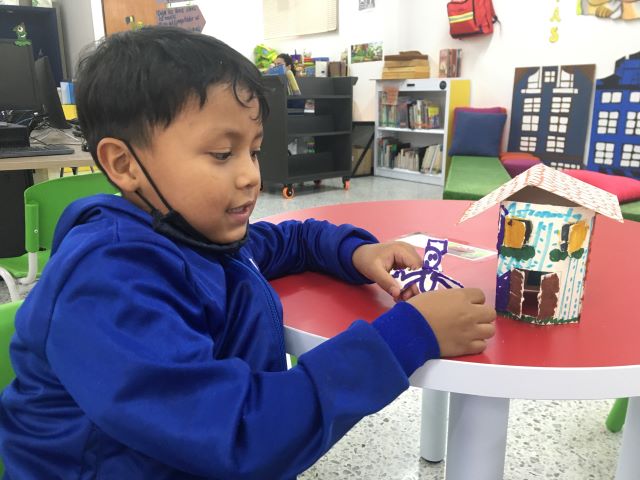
{"x": 48, "y": 166}
{"x": 598, "y": 358}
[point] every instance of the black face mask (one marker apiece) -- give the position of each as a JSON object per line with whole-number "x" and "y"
{"x": 174, "y": 226}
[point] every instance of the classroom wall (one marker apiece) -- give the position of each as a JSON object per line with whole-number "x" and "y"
{"x": 521, "y": 40}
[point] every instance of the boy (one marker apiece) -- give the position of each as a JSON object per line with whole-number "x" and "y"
{"x": 152, "y": 347}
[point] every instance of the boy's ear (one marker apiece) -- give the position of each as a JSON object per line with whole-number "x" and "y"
{"x": 117, "y": 161}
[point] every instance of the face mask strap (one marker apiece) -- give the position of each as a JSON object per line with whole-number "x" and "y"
{"x": 153, "y": 184}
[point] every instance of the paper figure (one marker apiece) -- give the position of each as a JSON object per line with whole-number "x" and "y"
{"x": 430, "y": 276}
{"x": 21, "y": 34}
{"x": 546, "y": 221}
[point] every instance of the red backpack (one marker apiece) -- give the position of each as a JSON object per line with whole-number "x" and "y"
{"x": 471, "y": 17}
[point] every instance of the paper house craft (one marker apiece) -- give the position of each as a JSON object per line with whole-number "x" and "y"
{"x": 546, "y": 221}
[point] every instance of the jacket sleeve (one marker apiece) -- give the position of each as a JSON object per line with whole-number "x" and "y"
{"x": 293, "y": 247}
{"x": 128, "y": 341}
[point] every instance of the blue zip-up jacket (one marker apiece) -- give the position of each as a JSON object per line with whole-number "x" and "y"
{"x": 140, "y": 358}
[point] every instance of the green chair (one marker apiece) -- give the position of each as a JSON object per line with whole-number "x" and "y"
{"x": 7, "y": 315}
{"x": 43, "y": 205}
{"x": 617, "y": 415}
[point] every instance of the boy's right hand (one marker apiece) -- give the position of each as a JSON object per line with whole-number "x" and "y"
{"x": 459, "y": 318}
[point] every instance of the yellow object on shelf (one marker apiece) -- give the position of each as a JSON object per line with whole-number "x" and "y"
{"x": 70, "y": 111}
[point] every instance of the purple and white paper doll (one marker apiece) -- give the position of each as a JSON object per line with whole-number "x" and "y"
{"x": 430, "y": 276}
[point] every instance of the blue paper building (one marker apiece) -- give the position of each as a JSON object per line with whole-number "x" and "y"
{"x": 615, "y": 126}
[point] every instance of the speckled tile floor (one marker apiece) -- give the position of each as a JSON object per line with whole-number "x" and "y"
{"x": 564, "y": 440}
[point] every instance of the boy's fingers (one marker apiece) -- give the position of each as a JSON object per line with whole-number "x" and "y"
{"x": 477, "y": 346}
{"x": 486, "y": 330}
{"x": 474, "y": 295}
{"x": 486, "y": 314}
{"x": 406, "y": 257}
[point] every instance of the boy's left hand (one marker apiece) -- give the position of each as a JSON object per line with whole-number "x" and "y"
{"x": 375, "y": 260}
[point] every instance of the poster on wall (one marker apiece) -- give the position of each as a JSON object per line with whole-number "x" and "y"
{"x": 550, "y": 113}
{"x": 366, "y": 52}
{"x": 613, "y": 9}
{"x": 615, "y": 126}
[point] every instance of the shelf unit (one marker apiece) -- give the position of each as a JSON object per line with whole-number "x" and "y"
{"x": 447, "y": 94}
{"x": 329, "y": 125}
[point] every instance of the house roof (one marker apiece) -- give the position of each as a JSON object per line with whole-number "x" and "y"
{"x": 555, "y": 182}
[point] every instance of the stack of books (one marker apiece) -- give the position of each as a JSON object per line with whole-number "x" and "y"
{"x": 405, "y": 65}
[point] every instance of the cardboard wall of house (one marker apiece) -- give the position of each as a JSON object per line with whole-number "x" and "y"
{"x": 550, "y": 113}
{"x": 542, "y": 261}
{"x": 614, "y": 145}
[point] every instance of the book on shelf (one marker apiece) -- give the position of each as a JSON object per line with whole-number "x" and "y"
{"x": 449, "y": 65}
{"x": 392, "y": 153}
{"x": 432, "y": 160}
{"x": 411, "y": 113}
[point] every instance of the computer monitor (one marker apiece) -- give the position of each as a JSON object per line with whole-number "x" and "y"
{"x": 48, "y": 94}
{"x": 17, "y": 82}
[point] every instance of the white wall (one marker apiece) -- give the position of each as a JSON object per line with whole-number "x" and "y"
{"x": 381, "y": 24}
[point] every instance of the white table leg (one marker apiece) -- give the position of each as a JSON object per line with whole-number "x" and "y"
{"x": 433, "y": 430}
{"x": 477, "y": 437}
{"x": 629, "y": 460}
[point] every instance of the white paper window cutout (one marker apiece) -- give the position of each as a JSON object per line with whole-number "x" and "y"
{"x": 616, "y": 97}
{"x": 555, "y": 144}
{"x": 606, "y": 97}
{"x": 604, "y": 153}
{"x": 558, "y": 124}
{"x": 530, "y": 123}
{"x": 607, "y": 122}
{"x": 566, "y": 79}
{"x": 560, "y": 104}
{"x": 528, "y": 144}
{"x": 549, "y": 76}
{"x": 632, "y": 127}
{"x": 532, "y": 105}
{"x": 634, "y": 97}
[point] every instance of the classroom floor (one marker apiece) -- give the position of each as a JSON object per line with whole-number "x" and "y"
{"x": 564, "y": 440}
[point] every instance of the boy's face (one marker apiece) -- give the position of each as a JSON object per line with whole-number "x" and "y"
{"x": 206, "y": 164}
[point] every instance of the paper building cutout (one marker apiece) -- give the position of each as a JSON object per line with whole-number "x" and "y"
{"x": 430, "y": 276}
{"x": 546, "y": 220}
{"x": 613, "y": 9}
{"x": 615, "y": 126}
{"x": 550, "y": 111}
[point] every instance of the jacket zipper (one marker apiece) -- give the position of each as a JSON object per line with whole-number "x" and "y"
{"x": 277, "y": 329}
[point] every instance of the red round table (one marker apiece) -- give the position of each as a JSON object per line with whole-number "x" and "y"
{"x": 597, "y": 358}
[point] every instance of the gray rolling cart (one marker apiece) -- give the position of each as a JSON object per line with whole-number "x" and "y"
{"x": 307, "y": 144}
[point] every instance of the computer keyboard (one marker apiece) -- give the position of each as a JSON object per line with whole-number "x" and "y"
{"x": 34, "y": 150}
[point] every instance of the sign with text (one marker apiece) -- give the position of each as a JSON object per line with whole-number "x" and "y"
{"x": 189, "y": 18}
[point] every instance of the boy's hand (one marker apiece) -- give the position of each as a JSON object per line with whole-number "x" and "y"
{"x": 374, "y": 261}
{"x": 460, "y": 320}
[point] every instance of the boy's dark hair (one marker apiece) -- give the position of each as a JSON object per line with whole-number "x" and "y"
{"x": 137, "y": 80}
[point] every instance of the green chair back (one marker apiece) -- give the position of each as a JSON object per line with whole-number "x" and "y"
{"x": 7, "y": 316}
{"x": 44, "y": 203}
{"x": 7, "y": 327}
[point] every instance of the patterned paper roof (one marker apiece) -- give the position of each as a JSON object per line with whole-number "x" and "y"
{"x": 553, "y": 181}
